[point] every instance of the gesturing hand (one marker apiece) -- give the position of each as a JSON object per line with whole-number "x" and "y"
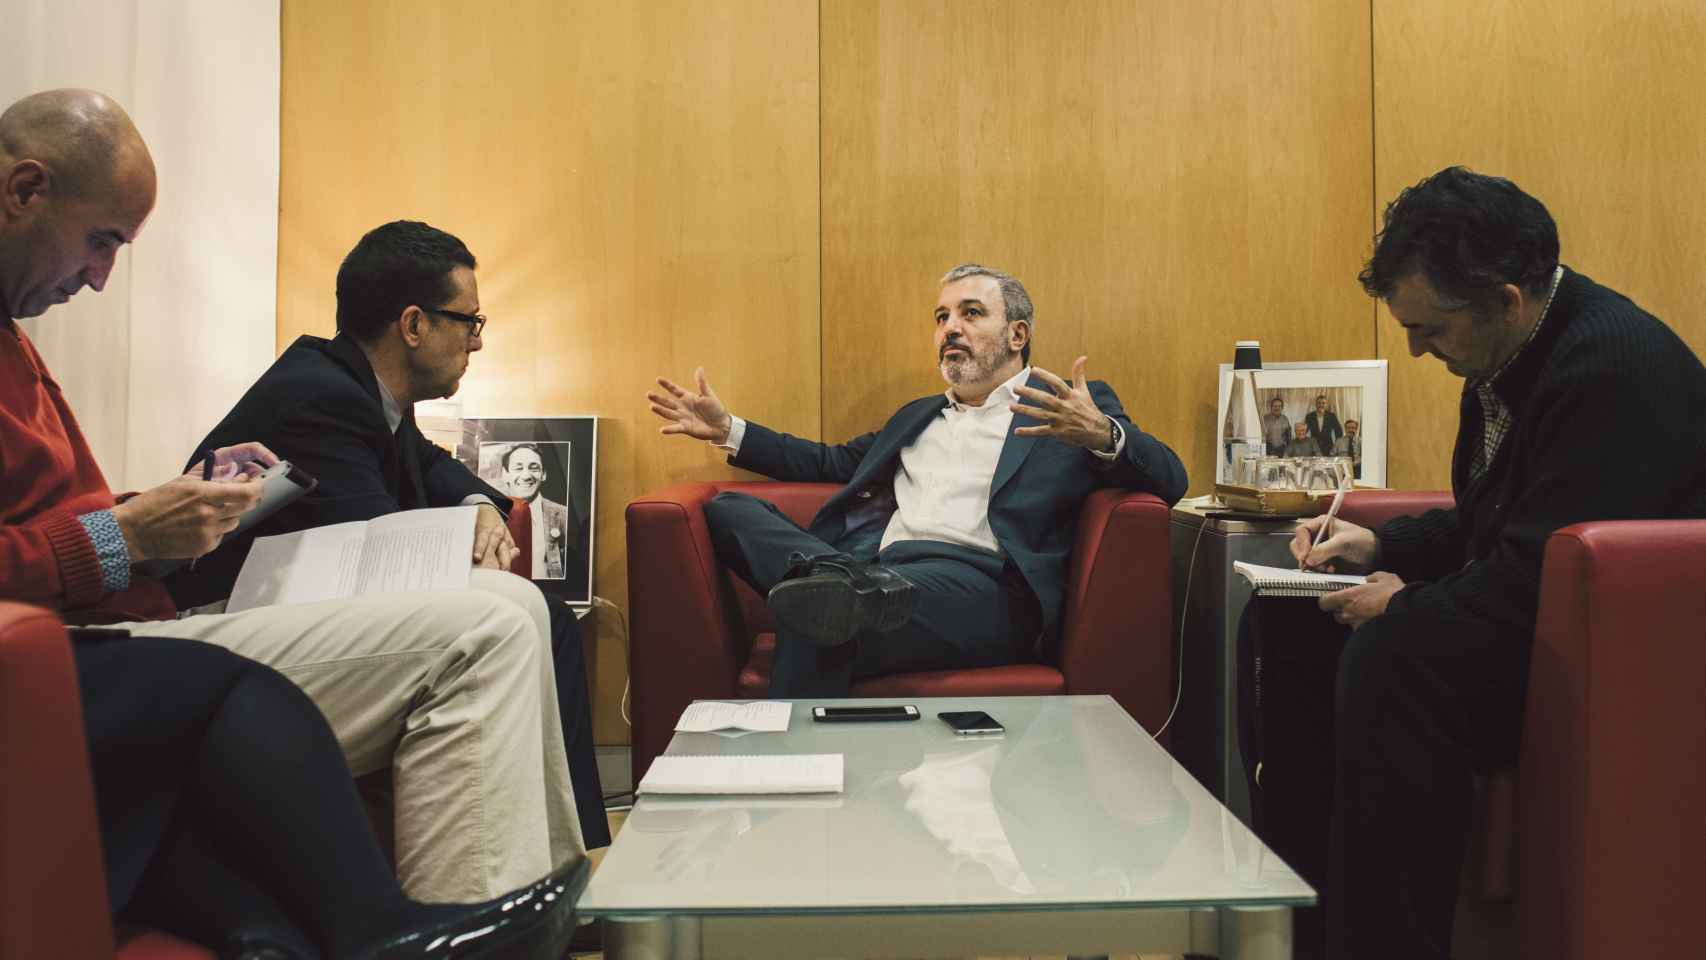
{"x": 183, "y": 518}
{"x": 1069, "y": 414}
{"x": 494, "y": 548}
{"x": 698, "y": 415}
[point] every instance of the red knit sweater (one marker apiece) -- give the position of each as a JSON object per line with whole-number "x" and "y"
{"x": 48, "y": 477}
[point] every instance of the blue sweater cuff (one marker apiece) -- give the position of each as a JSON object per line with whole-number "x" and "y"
{"x": 110, "y": 548}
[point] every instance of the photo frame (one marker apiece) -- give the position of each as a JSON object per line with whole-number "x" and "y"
{"x": 547, "y": 466}
{"x": 1354, "y": 423}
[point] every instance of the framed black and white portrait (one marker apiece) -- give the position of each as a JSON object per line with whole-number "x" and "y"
{"x": 547, "y": 467}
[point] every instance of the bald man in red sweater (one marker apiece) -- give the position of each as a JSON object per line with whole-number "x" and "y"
{"x": 452, "y": 690}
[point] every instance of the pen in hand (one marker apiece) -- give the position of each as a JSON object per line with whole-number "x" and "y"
{"x": 206, "y": 456}
{"x": 1323, "y": 534}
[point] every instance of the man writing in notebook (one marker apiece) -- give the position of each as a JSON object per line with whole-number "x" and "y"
{"x": 451, "y": 690}
{"x": 1427, "y": 684}
{"x": 947, "y": 544}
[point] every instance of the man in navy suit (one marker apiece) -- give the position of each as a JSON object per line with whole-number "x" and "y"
{"x": 947, "y": 546}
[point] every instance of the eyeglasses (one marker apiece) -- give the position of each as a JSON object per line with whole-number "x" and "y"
{"x": 475, "y": 321}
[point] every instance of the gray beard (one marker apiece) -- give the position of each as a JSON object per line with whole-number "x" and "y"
{"x": 974, "y": 367}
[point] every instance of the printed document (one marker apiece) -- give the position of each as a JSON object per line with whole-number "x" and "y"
{"x": 405, "y": 551}
{"x": 760, "y": 716}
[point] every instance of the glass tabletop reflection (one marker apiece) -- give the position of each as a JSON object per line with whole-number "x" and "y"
{"x": 1075, "y": 807}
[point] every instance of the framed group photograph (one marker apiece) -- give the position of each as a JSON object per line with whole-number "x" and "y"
{"x": 1327, "y": 409}
{"x": 546, "y": 466}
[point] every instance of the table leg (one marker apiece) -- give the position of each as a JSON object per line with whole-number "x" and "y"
{"x": 1255, "y": 934}
{"x": 653, "y": 938}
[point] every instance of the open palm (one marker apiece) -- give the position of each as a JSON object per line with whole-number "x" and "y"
{"x": 699, "y": 415}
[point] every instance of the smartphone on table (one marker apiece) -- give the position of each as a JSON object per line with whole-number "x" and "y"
{"x": 972, "y": 723}
{"x": 864, "y": 714}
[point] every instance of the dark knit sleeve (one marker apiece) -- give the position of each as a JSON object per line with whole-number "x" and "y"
{"x": 1421, "y": 548}
{"x": 1601, "y": 440}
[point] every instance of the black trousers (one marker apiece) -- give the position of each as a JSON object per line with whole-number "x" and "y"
{"x": 574, "y": 704}
{"x": 972, "y": 610}
{"x": 1369, "y": 742}
{"x": 225, "y": 807}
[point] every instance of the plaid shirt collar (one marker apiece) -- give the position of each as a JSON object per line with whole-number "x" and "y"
{"x": 1496, "y": 417}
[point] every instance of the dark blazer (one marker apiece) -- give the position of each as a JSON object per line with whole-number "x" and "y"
{"x": 318, "y": 406}
{"x": 1325, "y": 431}
{"x": 1035, "y": 495}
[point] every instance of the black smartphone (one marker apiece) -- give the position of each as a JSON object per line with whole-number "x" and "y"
{"x": 862, "y": 714}
{"x": 972, "y": 723}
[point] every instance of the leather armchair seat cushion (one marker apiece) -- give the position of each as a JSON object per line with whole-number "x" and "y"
{"x": 1017, "y": 680}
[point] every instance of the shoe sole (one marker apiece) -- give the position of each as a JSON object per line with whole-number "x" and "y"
{"x": 828, "y": 614}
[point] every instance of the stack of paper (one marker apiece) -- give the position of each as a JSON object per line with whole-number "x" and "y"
{"x": 760, "y": 716}
{"x": 781, "y": 773}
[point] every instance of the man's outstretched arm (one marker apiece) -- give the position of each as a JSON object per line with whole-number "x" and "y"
{"x": 751, "y": 446}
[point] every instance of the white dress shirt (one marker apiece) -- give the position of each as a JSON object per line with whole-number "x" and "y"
{"x": 941, "y": 487}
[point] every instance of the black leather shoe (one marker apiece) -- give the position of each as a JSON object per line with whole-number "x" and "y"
{"x": 840, "y": 598}
{"x": 536, "y": 921}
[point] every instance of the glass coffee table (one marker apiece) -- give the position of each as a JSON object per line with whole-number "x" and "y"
{"x": 1072, "y": 833}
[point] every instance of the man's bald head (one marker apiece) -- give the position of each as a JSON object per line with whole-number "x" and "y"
{"x": 76, "y": 184}
{"x": 87, "y": 142}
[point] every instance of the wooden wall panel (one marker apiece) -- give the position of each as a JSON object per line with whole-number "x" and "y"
{"x": 1594, "y": 108}
{"x": 639, "y": 182}
{"x": 1165, "y": 177}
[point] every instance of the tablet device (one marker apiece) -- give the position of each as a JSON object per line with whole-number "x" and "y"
{"x": 284, "y": 484}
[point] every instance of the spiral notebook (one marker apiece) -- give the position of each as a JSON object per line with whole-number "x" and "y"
{"x": 1283, "y": 582}
{"x": 736, "y": 774}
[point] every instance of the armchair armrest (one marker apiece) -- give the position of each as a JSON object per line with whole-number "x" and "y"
{"x": 1117, "y": 637}
{"x": 1609, "y": 850}
{"x": 688, "y": 635}
{"x": 53, "y": 890}
{"x": 1371, "y": 508}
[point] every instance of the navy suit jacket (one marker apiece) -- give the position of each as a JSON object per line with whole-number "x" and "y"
{"x": 318, "y": 406}
{"x": 1035, "y": 495}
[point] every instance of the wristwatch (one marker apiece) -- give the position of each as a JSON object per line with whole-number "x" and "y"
{"x": 1113, "y": 435}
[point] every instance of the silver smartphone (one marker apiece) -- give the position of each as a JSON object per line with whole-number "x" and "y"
{"x": 972, "y": 723}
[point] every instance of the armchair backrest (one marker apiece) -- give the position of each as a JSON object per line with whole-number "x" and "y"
{"x": 1610, "y": 779}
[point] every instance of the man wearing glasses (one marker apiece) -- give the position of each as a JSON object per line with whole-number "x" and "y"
{"x": 408, "y": 320}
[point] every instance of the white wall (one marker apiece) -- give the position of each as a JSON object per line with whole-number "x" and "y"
{"x": 188, "y": 318}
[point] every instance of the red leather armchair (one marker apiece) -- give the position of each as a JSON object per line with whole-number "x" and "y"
{"x": 697, "y": 632}
{"x": 53, "y": 891}
{"x": 1591, "y": 846}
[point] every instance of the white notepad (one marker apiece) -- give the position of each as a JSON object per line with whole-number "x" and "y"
{"x": 781, "y": 773}
{"x": 1283, "y": 582}
{"x": 760, "y": 716}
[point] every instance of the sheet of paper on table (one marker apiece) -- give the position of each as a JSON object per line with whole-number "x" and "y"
{"x": 760, "y": 716}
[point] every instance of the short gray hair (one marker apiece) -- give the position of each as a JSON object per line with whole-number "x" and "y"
{"x": 1015, "y": 302}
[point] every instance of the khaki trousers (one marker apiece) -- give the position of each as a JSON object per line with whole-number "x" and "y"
{"x": 454, "y": 692}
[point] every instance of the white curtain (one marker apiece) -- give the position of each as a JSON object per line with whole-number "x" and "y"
{"x": 188, "y": 318}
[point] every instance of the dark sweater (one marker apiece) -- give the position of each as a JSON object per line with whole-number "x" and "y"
{"x": 1609, "y": 423}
